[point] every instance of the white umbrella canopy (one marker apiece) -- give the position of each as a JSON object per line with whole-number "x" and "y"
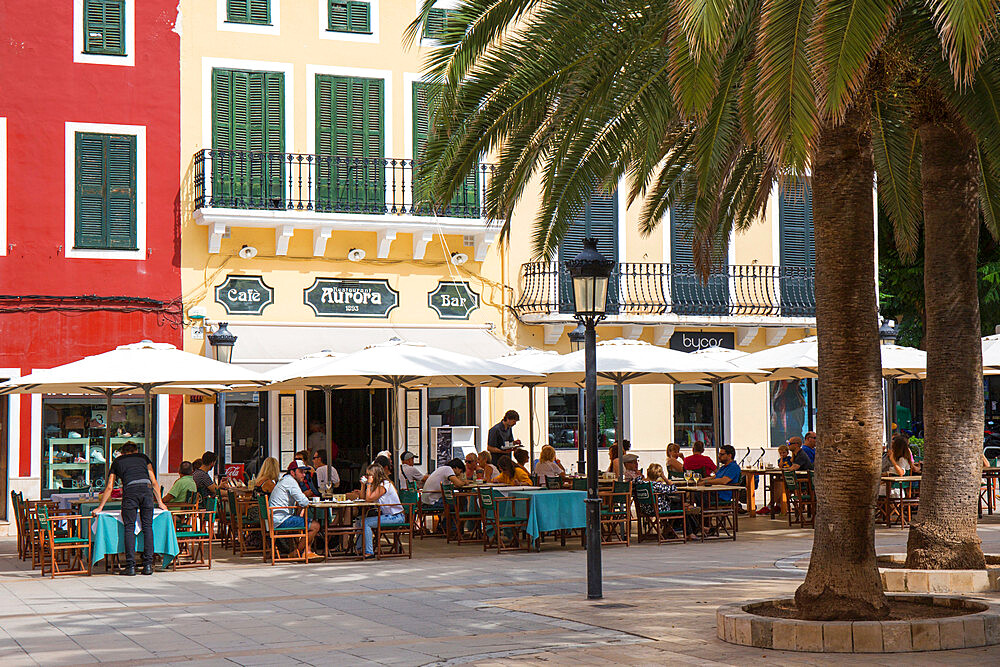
{"x": 300, "y": 368}
{"x": 991, "y": 355}
{"x": 799, "y": 360}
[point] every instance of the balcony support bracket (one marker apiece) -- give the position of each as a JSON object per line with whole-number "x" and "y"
{"x": 385, "y": 239}
{"x": 483, "y": 242}
{"x": 215, "y": 235}
{"x": 282, "y": 235}
{"x": 745, "y": 335}
{"x": 631, "y": 331}
{"x": 420, "y": 241}
{"x": 662, "y": 334}
{"x": 320, "y": 238}
{"x": 774, "y": 335}
{"x": 553, "y": 332}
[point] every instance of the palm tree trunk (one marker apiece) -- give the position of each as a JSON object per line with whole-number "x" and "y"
{"x": 843, "y": 581}
{"x": 944, "y": 535}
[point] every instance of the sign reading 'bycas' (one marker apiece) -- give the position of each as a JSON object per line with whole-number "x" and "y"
{"x": 244, "y": 295}
{"x": 453, "y": 300}
{"x": 336, "y": 297}
{"x": 692, "y": 341}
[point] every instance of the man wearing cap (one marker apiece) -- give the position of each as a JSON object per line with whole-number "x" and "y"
{"x": 411, "y": 473}
{"x": 500, "y": 439}
{"x": 632, "y": 472}
{"x": 287, "y": 494}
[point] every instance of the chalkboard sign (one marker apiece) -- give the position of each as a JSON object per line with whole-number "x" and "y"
{"x": 444, "y": 441}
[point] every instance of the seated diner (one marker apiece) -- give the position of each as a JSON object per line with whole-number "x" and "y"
{"x": 377, "y": 489}
{"x": 286, "y": 494}
{"x": 431, "y": 498}
{"x": 698, "y": 462}
{"x": 548, "y": 465}
{"x": 512, "y": 475}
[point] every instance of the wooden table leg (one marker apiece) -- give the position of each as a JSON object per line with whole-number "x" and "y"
{"x": 751, "y": 482}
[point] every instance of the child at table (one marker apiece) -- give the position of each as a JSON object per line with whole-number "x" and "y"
{"x": 784, "y": 458}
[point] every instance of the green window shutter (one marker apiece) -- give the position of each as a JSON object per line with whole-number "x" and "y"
{"x": 349, "y": 143}
{"x": 338, "y": 20}
{"x": 256, "y": 12}
{"x": 681, "y": 231}
{"x": 121, "y": 192}
{"x": 796, "y": 242}
{"x": 349, "y": 16}
{"x": 690, "y": 295}
{"x": 105, "y": 191}
{"x": 421, "y": 117}
{"x": 599, "y": 219}
{"x": 436, "y": 23}
{"x": 104, "y": 27}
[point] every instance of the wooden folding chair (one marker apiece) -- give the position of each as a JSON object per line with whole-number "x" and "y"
{"x": 801, "y": 499}
{"x": 493, "y": 519}
{"x": 274, "y": 534}
{"x": 195, "y": 530}
{"x": 72, "y": 549}
{"x": 389, "y": 541}
{"x": 653, "y": 521}
{"x": 456, "y": 518}
{"x": 616, "y": 515}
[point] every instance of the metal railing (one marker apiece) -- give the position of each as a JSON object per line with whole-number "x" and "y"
{"x": 656, "y": 289}
{"x": 324, "y": 183}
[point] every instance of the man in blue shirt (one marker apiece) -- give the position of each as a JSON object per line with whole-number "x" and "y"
{"x": 809, "y": 446}
{"x": 285, "y": 497}
{"x": 728, "y": 472}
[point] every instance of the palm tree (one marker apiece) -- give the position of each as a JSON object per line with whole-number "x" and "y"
{"x": 705, "y": 105}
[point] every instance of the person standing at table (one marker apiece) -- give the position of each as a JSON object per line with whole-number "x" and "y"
{"x": 500, "y": 439}
{"x": 139, "y": 490}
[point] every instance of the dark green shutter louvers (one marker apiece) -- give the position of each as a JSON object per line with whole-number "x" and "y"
{"x": 435, "y": 24}
{"x": 255, "y": 12}
{"x": 105, "y": 191}
{"x": 104, "y": 27}
{"x": 349, "y": 16}
{"x": 797, "y": 244}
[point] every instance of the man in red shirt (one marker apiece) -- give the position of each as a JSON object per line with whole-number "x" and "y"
{"x": 698, "y": 462}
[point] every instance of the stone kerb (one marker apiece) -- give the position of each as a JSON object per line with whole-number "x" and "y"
{"x": 901, "y": 580}
{"x": 738, "y": 624}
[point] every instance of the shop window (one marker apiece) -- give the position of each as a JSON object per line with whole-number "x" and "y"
{"x": 564, "y": 405}
{"x": 350, "y": 16}
{"x": 792, "y": 409}
{"x": 245, "y": 439}
{"x": 254, "y": 12}
{"x": 693, "y": 414}
{"x": 451, "y": 406}
{"x": 74, "y": 457}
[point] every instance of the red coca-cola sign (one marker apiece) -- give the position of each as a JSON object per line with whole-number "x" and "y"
{"x": 233, "y": 470}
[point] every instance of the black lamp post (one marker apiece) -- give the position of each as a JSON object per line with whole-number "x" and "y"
{"x": 222, "y": 341}
{"x": 577, "y": 339}
{"x": 590, "y": 272}
{"x": 887, "y": 334}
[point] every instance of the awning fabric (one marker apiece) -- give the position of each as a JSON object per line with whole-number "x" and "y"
{"x": 262, "y": 347}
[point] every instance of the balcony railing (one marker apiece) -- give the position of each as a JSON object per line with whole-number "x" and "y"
{"x": 657, "y": 289}
{"x": 324, "y": 184}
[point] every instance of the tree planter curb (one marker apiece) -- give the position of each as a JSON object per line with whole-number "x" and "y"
{"x": 902, "y": 580}
{"x": 738, "y": 624}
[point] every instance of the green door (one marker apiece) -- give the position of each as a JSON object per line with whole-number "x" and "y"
{"x": 465, "y": 203}
{"x": 248, "y": 120}
{"x": 350, "y": 170}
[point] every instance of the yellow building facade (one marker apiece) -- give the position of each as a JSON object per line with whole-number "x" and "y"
{"x": 301, "y": 122}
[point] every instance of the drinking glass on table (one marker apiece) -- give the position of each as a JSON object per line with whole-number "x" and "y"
{"x": 688, "y": 476}
{"x": 697, "y": 477}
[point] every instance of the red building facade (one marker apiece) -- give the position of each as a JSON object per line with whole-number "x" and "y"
{"x": 89, "y": 223}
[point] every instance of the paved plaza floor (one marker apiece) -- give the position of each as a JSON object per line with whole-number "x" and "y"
{"x": 449, "y": 605}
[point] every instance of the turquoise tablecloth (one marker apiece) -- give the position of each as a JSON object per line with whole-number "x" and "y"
{"x": 554, "y": 510}
{"x": 109, "y": 536}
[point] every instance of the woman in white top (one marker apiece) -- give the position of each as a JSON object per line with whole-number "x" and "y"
{"x": 548, "y": 465}
{"x": 378, "y": 489}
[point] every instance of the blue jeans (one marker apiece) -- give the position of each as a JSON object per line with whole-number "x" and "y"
{"x": 370, "y": 524}
{"x": 294, "y": 521}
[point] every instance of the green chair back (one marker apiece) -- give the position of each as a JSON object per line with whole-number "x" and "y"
{"x": 448, "y": 491}
{"x": 212, "y": 504}
{"x": 409, "y": 498}
{"x": 265, "y": 518}
{"x": 579, "y": 483}
{"x": 644, "y": 499}
{"x": 675, "y": 474}
{"x": 553, "y": 482}
{"x": 231, "y": 497}
{"x": 43, "y": 517}
{"x": 486, "y": 501}
{"x": 411, "y": 485}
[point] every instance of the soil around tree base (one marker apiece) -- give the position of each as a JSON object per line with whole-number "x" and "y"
{"x": 898, "y": 610}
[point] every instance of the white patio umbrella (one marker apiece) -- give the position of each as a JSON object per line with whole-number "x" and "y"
{"x": 535, "y": 361}
{"x": 145, "y": 367}
{"x": 622, "y": 361}
{"x": 991, "y": 355}
{"x": 398, "y": 364}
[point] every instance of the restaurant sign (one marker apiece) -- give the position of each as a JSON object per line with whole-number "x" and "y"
{"x": 453, "y": 300}
{"x": 692, "y": 341}
{"x": 336, "y": 297}
{"x": 244, "y": 295}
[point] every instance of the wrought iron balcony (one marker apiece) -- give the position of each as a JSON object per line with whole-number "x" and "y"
{"x": 657, "y": 289}
{"x": 247, "y": 180}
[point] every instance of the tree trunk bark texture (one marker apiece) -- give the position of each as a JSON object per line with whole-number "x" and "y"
{"x": 843, "y": 581}
{"x": 944, "y": 534}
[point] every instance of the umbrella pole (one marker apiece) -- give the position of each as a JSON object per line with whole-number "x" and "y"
{"x": 890, "y": 409}
{"x": 531, "y": 422}
{"x": 147, "y": 437}
{"x": 717, "y": 415}
{"x": 620, "y": 427}
{"x": 328, "y": 409}
{"x": 108, "y": 394}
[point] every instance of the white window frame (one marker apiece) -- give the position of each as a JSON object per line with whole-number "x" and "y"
{"x": 3, "y": 186}
{"x": 139, "y": 132}
{"x": 373, "y": 21}
{"x": 273, "y": 29}
{"x": 128, "y": 60}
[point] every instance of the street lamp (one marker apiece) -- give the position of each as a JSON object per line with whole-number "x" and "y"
{"x": 222, "y": 342}
{"x": 887, "y": 334}
{"x": 590, "y": 272}
{"x": 577, "y": 339}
